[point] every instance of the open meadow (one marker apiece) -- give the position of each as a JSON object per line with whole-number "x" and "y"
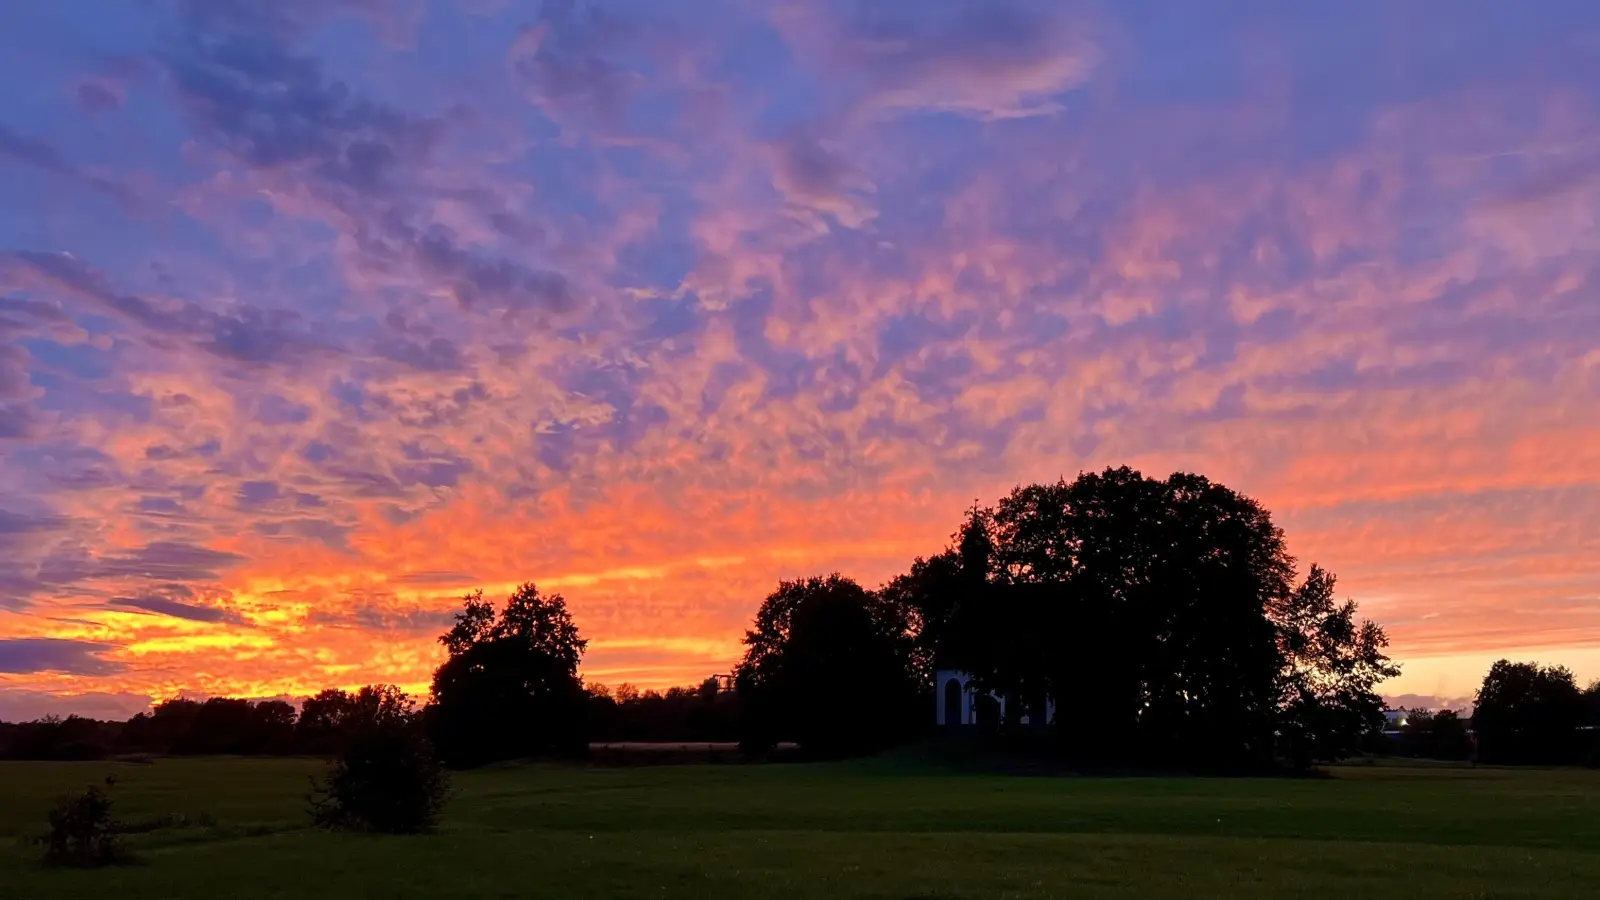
{"x": 867, "y": 829}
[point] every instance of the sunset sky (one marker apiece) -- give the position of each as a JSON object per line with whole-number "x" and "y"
{"x": 316, "y": 314}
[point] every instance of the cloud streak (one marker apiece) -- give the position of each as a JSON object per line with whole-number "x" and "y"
{"x": 28, "y": 656}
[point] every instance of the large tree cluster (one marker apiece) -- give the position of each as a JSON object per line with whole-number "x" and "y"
{"x": 1163, "y": 616}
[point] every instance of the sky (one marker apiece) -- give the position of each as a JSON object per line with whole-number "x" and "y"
{"x": 317, "y": 314}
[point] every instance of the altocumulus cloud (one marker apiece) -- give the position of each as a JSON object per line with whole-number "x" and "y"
{"x": 654, "y": 303}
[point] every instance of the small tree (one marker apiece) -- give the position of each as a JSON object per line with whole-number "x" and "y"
{"x": 510, "y": 687}
{"x": 385, "y": 777}
{"x": 83, "y": 833}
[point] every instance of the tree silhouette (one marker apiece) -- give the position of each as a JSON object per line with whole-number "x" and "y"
{"x": 385, "y": 777}
{"x": 510, "y": 686}
{"x": 322, "y": 720}
{"x": 936, "y": 589}
{"x": 704, "y": 712}
{"x": 1529, "y": 714}
{"x": 827, "y": 665}
{"x": 228, "y": 725}
{"x": 1331, "y": 664}
{"x": 1435, "y": 735}
{"x": 1161, "y": 615}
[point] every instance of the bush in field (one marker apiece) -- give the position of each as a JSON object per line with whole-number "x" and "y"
{"x": 385, "y": 778}
{"x": 82, "y": 832}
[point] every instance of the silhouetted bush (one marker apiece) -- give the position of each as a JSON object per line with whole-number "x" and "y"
{"x": 385, "y": 778}
{"x": 83, "y": 833}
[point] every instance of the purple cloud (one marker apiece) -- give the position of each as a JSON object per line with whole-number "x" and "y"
{"x": 981, "y": 57}
{"x": 24, "y": 705}
{"x": 177, "y": 609}
{"x": 157, "y": 561}
{"x": 244, "y": 333}
{"x": 27, "y": 656}
{"x": 41, "y": 155}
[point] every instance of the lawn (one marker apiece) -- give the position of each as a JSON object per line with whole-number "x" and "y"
{"x": 871, "y": 829}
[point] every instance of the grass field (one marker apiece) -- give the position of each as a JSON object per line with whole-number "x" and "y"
{"x": 871, "y": 829}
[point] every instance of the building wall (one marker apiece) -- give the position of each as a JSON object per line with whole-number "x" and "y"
{"x": 968, "y": 714}
{"x": 941, "y": 681}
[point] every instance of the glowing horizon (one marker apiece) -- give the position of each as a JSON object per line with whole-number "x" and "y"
{"x": 316, "y": 315}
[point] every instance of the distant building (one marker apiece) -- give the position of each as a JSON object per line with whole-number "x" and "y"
{"x": 959, "y": 703}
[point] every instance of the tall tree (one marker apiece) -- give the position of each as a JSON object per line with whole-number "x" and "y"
{"x": 1151, "y": 592}
{"x": 828, "y": 665}
{"x": 1529, "y": 714}
{"x": 510, "y": 687}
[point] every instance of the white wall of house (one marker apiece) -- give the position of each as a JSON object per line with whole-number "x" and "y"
{"x": 941, "y": 680}
{"x": 966, "y": 712}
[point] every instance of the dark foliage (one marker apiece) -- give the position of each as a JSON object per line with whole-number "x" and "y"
{"x": 83, "y": 833}
{"x": 322, "y": 723}
{"x": 828, "y": 665}
{"x": 385, "y": 777}
{"x": 1331, "y": 664}
{"x": 329, "y": 719}
{"x": 510, "y": 687}
{"x": 1427, "y": 734}
{"x": 1591, "y": 699}
{"x": 54, "y": 738}
{"x": 1162, "y": 613}
{"x": 929, "y": 596}
{"x": 1530, "y": 714}
{"x": 701, "y": 713}
{"x": 219, "y": 725}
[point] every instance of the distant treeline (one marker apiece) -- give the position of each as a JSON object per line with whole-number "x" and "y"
{"x": 1535, "y": 715}
{"x": 1163, "y": 619}
{"x": 232, "y": 726}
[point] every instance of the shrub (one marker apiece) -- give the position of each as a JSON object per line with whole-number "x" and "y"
{"x": 83, "y": 833}
{"x": 385, "y": 779}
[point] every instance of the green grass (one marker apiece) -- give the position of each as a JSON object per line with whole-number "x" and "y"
{"x": 871, "y": 829}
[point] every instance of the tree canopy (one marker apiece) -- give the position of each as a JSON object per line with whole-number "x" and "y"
{"x": 829, "y": 665}
{"x": 510, "y": 687}
{"x": 1162, "y": 615}
{"x": 1528, "y": 713}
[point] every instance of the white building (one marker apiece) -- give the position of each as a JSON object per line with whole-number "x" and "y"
{"x": 957, "y": 702}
